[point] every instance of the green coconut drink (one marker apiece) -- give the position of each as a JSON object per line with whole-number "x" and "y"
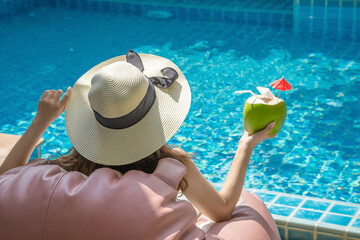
{"x": 259, "y": 112}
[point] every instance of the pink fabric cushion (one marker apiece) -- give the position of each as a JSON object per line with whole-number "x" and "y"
{"x": 45, "y": 202}
{"x": 250, "y": 220}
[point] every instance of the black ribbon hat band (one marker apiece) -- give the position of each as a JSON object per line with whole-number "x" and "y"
{"x": 134, "y": 116}
{"x": 146, "y": 103}
{"x": 162, "y": 82}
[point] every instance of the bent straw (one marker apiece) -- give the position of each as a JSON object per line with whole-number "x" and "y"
{"x": 246, "y": 91}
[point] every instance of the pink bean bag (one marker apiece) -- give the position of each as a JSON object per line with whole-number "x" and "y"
{"x": 46, "y": 202}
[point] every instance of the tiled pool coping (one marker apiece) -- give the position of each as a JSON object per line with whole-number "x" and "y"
{"x": 301, "y": 217}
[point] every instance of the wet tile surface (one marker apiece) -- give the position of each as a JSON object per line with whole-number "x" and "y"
{"x": 336, "y": 219}
{"x": 343, "y": 209}
{"x": 308, "y": 215}
{"x": 281, "y": 210}
{"x": 266, "y": 197}
{"x": 316, "y": 205}
{"x": 288, "y": 201}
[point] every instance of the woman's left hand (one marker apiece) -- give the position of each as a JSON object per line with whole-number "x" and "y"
{"x": 49, "y": 107}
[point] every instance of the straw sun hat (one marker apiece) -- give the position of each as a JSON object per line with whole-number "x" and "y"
{"x": 127, "y": 107}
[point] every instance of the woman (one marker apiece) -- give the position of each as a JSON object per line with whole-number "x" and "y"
{"x": 120, "y": 114}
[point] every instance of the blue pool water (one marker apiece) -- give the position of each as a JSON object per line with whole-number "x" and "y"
{"x": 317, "y": 152}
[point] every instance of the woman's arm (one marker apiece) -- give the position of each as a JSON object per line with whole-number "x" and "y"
{"x": 49, "y": 109}
{"x": 219, "y": 206}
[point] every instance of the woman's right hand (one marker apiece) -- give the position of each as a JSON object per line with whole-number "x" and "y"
{"x": 50, "y": 108}
{"x": 256, "y": 138}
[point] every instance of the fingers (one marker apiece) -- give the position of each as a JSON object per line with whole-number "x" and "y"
{"x": 49, "y": 107}
{"x": 50, "y": 95}
{"x": 270, "y": 126}
{"x": 45, "y": 94}
{"x": 265, "y": 132}
{"x": 245, "y": 131}
{"x": 66, "y": 96}
{"x": 271, "y": 136}
{"x": 53, "y": 96}
{"x": 58, "y": 94}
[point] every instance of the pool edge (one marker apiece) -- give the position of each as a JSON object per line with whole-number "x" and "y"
{"x": 303, "y": 217}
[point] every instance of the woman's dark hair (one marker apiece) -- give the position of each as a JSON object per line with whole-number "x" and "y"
{"x": 74, "y": 161}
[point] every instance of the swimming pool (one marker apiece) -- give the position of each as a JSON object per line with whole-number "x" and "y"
{"x": 318, "y": 150}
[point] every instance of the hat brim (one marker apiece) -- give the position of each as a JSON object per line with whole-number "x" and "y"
{"x": 107, "y": 146}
